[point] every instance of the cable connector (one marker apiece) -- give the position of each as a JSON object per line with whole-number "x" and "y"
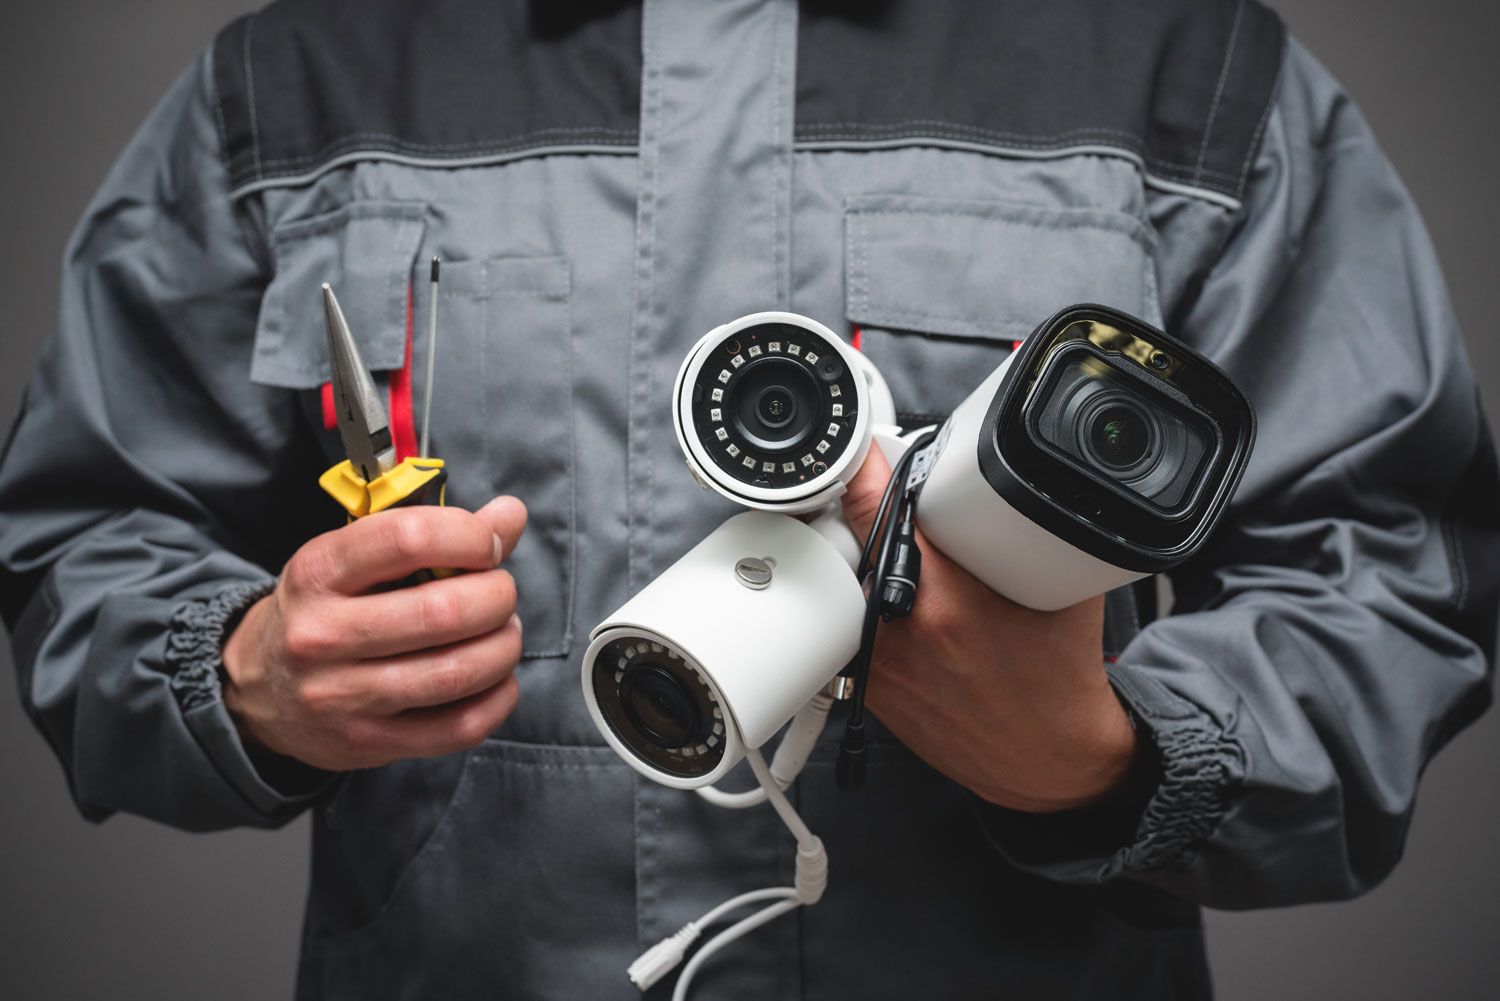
{"x": 663, "y": 957}
{"x": 812, "y": 871}
{"x": 898, "y": 592}
{"x": 849, "y": 766}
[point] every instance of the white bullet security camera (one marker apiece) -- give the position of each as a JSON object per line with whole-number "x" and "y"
{"x": 1099, "y": 452}
{"x": 716, "y": 654}
{"x": 775, "y": 411}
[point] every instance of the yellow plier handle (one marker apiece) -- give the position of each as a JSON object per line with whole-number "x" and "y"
{"x": 412, "y": 481}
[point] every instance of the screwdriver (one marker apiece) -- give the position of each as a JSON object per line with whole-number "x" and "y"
{"x": 370, "y": 480}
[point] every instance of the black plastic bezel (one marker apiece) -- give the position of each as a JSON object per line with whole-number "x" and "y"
{"x": 761, "y": 336}
{"x": 1087, "y": 509}
{"x": 677, "y": 762}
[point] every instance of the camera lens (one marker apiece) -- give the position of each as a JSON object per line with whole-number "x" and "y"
{"x": 658, "y": 704}
{"x": 776, "y": 406}
{"x": 1119, "y": 436}
{"x": 775, "y": 402}
{"x": 1118, "y": 428}
{"x": 773, "y": 407}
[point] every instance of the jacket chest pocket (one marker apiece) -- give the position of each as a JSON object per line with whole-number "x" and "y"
{"x": 502, "y": 409}
{"x": 941, "y": 289}
{"x": 502, "y": 415}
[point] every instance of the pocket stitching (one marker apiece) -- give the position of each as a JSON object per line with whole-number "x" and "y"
{"x": 1129, "y": 228}
{"x": 327, "y": 222}
{"x": 551, "y": 283}
{"x": 492, "y": 749}
{"x": 570, "y": 586}
{"x": 354, "y": 938}
{"x": 404, "y": 215}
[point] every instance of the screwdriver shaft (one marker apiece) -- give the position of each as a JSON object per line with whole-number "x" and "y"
{"x": 432, "y": 300}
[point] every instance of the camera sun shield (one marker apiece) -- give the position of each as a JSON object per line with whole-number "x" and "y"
{"x": 1101, "y": 451}
{"x": 774, "y": 411}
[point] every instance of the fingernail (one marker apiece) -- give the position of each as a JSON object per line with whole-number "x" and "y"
{"x": 495, "y": 502}
{"x": 499, "y": 549}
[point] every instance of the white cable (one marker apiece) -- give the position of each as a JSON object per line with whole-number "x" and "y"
{"x": 790, "y": 758}
{"x": 728, "y": 935}
{"x": 753, "y": 897}
{"x": 733, "y": 800}
{"x": 805, "y": 837}
{"x": 663, "y": 957}
{"x": 811, "y": 881}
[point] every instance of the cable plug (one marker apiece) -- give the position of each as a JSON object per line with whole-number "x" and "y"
{"x": 898, "y": 593}
{"x": 849, "y": 768}
{"x": 662, "y": 958}
{"x": 812, "y": 871}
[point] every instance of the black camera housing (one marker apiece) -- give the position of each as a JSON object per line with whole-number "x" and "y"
{"x": 1093, "y": 473}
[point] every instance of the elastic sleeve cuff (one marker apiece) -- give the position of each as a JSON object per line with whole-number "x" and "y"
{"x": 1169, "y": 805}
{"x": 1201, "y": 766}
{"x": 195, "y": 640}
{"x": 277, "y": 787}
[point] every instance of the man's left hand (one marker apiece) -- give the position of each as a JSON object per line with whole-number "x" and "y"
{"x": 1010, "y": 702}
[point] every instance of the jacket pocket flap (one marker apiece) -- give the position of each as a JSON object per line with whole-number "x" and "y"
{"x": 366, "y": 251}
{"x": 989, "y": 269}
{"x": 545, "y": 278}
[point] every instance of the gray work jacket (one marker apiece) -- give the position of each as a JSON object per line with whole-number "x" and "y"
{"x": 607, "y": 181}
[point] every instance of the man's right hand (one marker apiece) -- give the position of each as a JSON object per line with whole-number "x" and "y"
{"x": 334, "y": 672}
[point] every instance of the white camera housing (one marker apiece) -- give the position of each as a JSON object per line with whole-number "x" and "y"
{"x": 831, "y": 405}
{"x": 1019, "y": 493}
{"x": 733, "y": 639}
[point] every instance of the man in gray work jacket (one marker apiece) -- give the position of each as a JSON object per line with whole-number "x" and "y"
{"x": 1051, "y": 796}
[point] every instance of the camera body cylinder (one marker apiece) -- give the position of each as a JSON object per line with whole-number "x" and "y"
{"x": 728, "y": 643}
{"x": 973, "y": 524}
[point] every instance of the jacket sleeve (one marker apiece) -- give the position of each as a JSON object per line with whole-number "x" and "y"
{"x": 146, "y": 488}
{"x": 1340, "y": 626}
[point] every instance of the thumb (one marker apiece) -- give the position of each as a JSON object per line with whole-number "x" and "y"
{"x": 862, "y": 497}
{"x": 506, "y": 517}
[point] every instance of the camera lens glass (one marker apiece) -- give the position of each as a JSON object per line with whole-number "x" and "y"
{"x": 774, "y": 405}
{"x": 659, "y": 706}
{"x": 1122, "y": 429}
{"x": 1119, "y": 435}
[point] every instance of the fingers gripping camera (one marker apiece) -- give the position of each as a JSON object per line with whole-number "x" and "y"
{"x": 775, "y": 411}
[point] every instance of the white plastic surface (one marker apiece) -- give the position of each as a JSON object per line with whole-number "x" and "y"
{"x": 974, "y": 526}
{"x": 765, "y": 653}
{"x": 873, "y": 403}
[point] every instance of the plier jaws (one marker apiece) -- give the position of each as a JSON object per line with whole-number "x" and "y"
{"x": 363, "y": 423}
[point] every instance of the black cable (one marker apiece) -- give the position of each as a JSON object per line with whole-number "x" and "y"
{"x": 891, "y": 487}
{"x": 850, "y": 766}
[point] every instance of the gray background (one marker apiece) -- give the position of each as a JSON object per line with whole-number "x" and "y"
{"x": 131, "y": 909}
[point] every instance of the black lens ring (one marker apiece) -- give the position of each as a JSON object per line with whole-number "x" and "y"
{"x": 626, "y": 653}
{"x": 1162, "y": 459}
{"x": 734, "y": 376}
{"x": 778, "y": 374}
{"x": 776, "y": 396}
